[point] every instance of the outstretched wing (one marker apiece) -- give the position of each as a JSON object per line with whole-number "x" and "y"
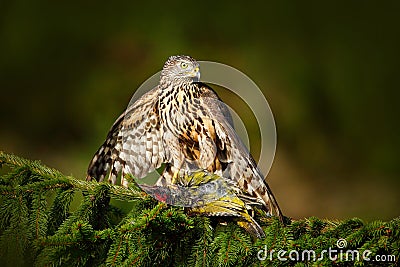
{"x": 241, "y": 166}
{"x": 133, "y": 145}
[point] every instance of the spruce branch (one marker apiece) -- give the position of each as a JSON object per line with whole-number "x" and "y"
{"x": 39, "y": 226}
{"x": 51, "y": 179}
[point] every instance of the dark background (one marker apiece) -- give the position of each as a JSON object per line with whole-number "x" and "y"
{"x": 329, "y": 71}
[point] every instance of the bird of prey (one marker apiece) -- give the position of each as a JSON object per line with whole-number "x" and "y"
{"x": 183, "y": 124}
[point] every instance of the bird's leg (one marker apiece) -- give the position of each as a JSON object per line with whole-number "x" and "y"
{"x": 124, "y": 182}
{"x": 177, "y": 172}
{"x": 175, "y": 177}
{"x": 176, "y": 155}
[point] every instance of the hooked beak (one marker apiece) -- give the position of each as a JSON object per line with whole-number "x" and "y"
{"x": 196, "y": 74}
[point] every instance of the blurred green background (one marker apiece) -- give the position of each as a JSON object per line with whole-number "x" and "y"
{"x": 329, "y": 71}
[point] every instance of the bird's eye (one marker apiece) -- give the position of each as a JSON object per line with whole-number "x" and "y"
{"x": 184, "y": 65}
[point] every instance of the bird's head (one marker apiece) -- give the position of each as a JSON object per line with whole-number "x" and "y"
{"x": 180, "y": 69}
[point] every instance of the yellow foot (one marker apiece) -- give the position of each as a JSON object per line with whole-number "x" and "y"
{"x": 175, "y": 177}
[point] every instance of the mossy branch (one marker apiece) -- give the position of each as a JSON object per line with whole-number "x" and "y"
{"x": 39, "y": 226}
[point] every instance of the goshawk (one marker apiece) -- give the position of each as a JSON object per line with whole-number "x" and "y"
{"x": 183, "y": 124}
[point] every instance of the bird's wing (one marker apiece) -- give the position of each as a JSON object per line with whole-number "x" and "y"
{"x": 241, "y": 166}
{"x": 134, "y": 143}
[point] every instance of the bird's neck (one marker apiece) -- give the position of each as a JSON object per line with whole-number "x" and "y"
{"x": 171, "y": 88}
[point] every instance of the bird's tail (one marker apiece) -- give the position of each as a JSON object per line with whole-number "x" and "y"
{"x": 272, "y": 203}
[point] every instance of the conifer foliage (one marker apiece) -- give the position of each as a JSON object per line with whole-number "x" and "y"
{"x": 40, "y": 227}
